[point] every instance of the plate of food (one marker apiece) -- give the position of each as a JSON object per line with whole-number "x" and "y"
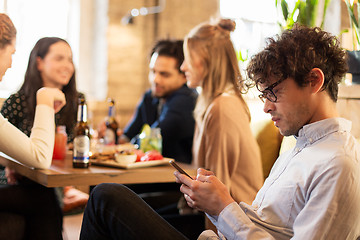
{"x": 107, "y": 152}
{"x": 133, "y": 158}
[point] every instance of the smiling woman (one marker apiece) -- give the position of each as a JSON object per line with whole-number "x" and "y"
{"x": 56, "y": 68}
{"x": 50, "y": 65}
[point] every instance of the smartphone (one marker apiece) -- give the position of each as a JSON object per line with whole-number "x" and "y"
{"x": 172, "y": 163}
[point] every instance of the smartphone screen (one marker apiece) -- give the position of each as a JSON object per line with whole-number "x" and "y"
{"x": 172, "y": 163}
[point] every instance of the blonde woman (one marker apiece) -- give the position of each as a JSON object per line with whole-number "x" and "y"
{"x": 223, "y": 142}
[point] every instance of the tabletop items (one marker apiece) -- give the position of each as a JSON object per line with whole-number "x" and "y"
{"x": 60, "y": 146}
{"x": 81, "y": 150}
{"x": 150, "y": 139}
{"x": 102, "y": 146}
{"x": 112, "y": 126}
{"x": 125, "y": 156}
{"x": 62, "y": 173}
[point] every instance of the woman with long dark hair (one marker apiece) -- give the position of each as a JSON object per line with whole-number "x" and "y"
{"x": 50, "y": 65}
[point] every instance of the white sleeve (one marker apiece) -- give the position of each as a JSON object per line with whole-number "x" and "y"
{"x": 35, "y": 151}
{"x": 233, "y": 223}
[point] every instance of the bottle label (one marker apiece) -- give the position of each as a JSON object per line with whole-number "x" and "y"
{"x": 110, "y": 113}
{"x": 109, "y": 137}
{"x": 81, "y": 148}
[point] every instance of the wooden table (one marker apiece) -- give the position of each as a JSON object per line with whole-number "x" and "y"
{"x": 61, "y": 173}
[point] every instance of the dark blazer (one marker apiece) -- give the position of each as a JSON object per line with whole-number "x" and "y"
{"x": 176, "y": 122}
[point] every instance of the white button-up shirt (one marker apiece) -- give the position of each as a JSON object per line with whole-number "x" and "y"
{"x": 312, "y": 192}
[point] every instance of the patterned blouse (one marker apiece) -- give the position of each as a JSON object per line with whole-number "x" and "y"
{"x": 15, "y": 109}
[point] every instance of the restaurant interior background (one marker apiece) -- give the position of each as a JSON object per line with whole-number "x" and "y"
{"x": 111, "y": 48}
{"x": 111, "y": 58}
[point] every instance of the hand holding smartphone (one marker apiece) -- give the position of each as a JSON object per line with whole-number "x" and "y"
{"x": 172, "y": 163}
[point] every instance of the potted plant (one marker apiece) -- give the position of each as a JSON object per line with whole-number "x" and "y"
{"x": 354, "y": 55}
{"x": 305, "y": 12}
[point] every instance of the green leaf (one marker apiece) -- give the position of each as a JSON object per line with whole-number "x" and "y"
{"x": 240, "y": 55}
{"x": 310, "y": 9}
{"x": 351, "y": 13}
{"x": 306, "y": 10}
{"x": 291, "y": 21}
{"x": 285, "y": 9}
{"x": 358, "y": 14}
{"x": 296, "y": 8}
{"x": 342, "y": 32}
{"x": 353, "y": 20}
{"x": 302, "y": 13}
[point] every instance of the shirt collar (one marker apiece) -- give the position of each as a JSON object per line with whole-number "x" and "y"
{"x": 314, "y": 131}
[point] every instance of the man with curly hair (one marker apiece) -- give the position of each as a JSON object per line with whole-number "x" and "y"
{"x": 313, "y": 190}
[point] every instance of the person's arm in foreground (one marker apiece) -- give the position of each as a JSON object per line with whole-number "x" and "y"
{"x": 211, "y": 196}
{"x": 35, "y": 151}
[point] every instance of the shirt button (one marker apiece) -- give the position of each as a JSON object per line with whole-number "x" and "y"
{"x": 311, "y": 140}
{"x": 297, "y": 149}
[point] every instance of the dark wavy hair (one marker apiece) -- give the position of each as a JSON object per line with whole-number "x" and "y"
{"x": 170, "y": 48}
{"x": 294, "y": 53}
{"x": 34, "y": 82}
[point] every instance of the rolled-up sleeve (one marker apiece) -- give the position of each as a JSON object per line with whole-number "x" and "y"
{"x": 35, "y": 151}
{"x": 233, "y": 223}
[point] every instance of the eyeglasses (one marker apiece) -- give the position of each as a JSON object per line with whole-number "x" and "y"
{"x": 268, "y": 92}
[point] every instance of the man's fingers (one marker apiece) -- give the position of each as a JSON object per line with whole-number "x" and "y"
{"x": 182, "y": 178}
{"x": 202, "y": 171}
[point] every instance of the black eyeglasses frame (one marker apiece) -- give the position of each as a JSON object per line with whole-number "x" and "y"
{"x": 268, "y": 92}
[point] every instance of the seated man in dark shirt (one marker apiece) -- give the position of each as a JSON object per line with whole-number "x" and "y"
{"x": 169, "y": 104}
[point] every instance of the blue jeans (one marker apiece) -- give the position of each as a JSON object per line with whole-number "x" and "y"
{"x": 115, "y": 212}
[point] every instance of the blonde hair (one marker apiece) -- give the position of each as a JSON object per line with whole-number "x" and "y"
{"x": 212, "y": 44}
{"x": 7, "y": 30}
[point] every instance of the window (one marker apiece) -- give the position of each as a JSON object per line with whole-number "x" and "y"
{"x": 255, "y": 21}
{"x": 32, "y": 22}
{"x": 60, "y": 18}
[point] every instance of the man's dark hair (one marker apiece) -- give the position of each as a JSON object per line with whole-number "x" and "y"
{"x": 170, "y": 48}
{"x": 294, "y": 53}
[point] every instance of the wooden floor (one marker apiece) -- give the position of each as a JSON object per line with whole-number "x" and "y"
{"x": 72, "y": 226}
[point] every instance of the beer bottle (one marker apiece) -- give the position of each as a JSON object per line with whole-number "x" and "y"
{"x": 82, "y": 137}
{"x": 111, "y": 136}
